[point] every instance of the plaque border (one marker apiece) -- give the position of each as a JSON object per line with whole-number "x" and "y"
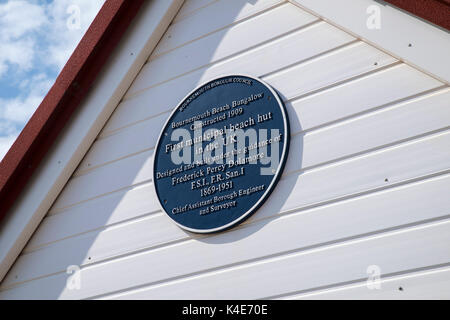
{"x": 269, "y": 189}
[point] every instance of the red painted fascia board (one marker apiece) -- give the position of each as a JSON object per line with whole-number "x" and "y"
{"x": 434, "y": 11}
{"x": 63, "y": 99}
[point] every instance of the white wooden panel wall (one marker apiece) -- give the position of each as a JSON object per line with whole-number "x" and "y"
{"x": 366, "y": 182}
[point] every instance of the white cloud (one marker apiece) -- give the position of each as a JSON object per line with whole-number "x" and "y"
{"x": 24, "y": 25}
{"x": 17, "y": 20}
{"x": 35, "y": 37}
{"x": 62, "y": 39}
{"x": 20, "y": 109}
{"x": 20, "y": 17}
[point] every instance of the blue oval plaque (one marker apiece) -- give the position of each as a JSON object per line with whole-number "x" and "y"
{"x": 221, "y": 153}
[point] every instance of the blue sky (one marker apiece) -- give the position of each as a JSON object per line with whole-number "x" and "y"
{"x": 36, "y": 39}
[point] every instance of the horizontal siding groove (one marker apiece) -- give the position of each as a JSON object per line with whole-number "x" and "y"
{"x": 367, "y": 112}
{"x": 132, "y": 124}
{"x": 339, "y": 49}
{"x": 126, "y": 255}
{"x": 265, "y": 10}
{"x": 232, "y": 56}
{"x": 277, "y": 256}
{"x": 308, "y": 91}
{"x": 360, "y": 194}
{"x": 80, "y": 172}
{"x": 217, "y": 16}
{"x": 217, "y": 62}
{"x": 261, "y": 259}
{"x": 298, "y": 98}
{"x": 359, "y": 282}
{"x": 366, "y": 152}
{"x": 326, "y": 38}
{"x": 149, "y": 184}
{"x": 55, "y": 211}
{"x": 346, "y": 81}
{"x": 237, "y": 54}
{"x": 375, "y": 110}
{"x": 390, "y": 184}
{"x": 110, "y": 135}
{"x": 324, "y": 126}
{"x": 284, "y": 176}
{"x": 321, "y": 55}
{"x": 318, "y": 56}
{"x": 292, "y": 99}
{"x": 286, "y": 172}
{"x": 280, "y": 215}
{"x": 296, "y": 210}
{"x": 105, "y": 227}
{"x": 83, "y": 172}
{"x": 430, "y": 138}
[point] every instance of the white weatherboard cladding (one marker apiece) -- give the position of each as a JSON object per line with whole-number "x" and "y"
{"x": 75, "y": 139}
{"x": 433, "y": 284}
{"x": 402, "y": 34}
{"x": 366, "y": 182}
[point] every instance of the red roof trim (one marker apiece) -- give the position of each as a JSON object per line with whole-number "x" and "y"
{"x": 435, "y": 11}
{"x": 63, "y": 99}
